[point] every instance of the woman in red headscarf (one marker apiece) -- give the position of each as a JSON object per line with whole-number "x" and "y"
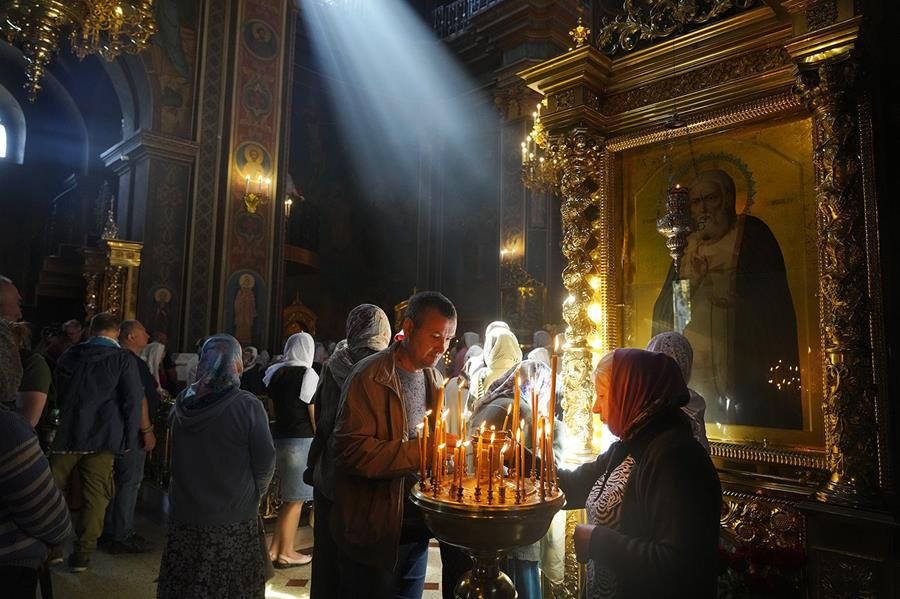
{"x": 653, "y": 499}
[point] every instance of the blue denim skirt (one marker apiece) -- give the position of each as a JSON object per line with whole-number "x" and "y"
{"x": 290, "y": 462}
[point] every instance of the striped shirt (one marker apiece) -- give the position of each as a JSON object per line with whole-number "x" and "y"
{"x": 33, "y": 512}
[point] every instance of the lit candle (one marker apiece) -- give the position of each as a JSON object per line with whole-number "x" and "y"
{"x": 268, "y": 186}
{"x": 491, "y": 467}
{"x": 259, "y": 184}
{"x": 479, "y": 450}
{"x": 534, "y": 422}
{"x": 458, "y": 463}
{"x": 247, "y": 186}
{"x": 459, "y": 410}
{"x": 440, "y": 463}
{"x": 517, "y": 397}
{"x": 420, "y": 428}
{"x": 522, "y": 453}
{"x": 502, "y": 451}
{"x": 506, "y": 419}
{"x": 552, "y": 407}
{"x": 517, "y": 467}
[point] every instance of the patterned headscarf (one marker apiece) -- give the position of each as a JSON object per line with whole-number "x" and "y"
{"x": 368, "y": 328}
{"x": 676, "y": 346}
{"x": 251, "y": 355}
{"x": 298, "y": 351}
{"x": 217, "y": 370}
{"x": 642, "y": 385}
{"x": 532, "y": 375}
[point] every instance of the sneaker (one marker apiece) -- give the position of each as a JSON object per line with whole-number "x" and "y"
{"x": 133, "y": 544}
{"x": 79, "y": 561}
{"x": 55, "y": 556}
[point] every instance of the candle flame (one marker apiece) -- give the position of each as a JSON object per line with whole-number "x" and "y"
{"x": 482, "y": 427}
{"x": 458, "y": 444}
{"x": 518, "y": 434}
{"x": 504, "y": 448}
{"x": 556, "y": 344}
{"x": 442, "y": 446}
{"x": 492, "y": 438}
{"x": 467, "y": 443}
{"x": 428, "y": 412}
{"x": 420, "y": 425}
{"x": 493, "y": 428}
{"x": 444, "y": 414}
{"x": 508, "y": 409}
{"x": 446, "y": 380}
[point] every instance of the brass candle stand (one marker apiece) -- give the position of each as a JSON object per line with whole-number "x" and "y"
{"x": 488, "y": 515}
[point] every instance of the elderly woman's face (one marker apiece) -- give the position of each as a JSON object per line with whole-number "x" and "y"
{"x": 601, "y": 393}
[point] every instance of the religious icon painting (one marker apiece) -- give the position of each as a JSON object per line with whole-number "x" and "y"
{"x": 748, "y": 277}
{"x": 260, "y": 39}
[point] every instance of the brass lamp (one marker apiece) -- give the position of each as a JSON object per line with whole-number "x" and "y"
{"x": 104, "y": 27}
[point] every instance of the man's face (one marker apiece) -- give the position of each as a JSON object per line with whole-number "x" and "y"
{"x": 139, "y": 336}
{"x": 74, "y": 334}
{"x": 10, "y": 303}
{"x": 427, "y": 342}
{"x": 708, "y": 210}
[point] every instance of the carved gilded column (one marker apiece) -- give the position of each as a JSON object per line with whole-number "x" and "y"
{"x": 581, "y": 152}
{"x": 853, "y": 409}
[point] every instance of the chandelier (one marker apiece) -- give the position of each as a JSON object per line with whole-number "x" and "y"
{"x": 105, "y": 27}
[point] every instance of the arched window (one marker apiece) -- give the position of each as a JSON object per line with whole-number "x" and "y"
{"x": 12, "y": 128}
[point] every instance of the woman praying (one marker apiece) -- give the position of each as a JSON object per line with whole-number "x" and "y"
{"x": 292, "y": 384}
{"x": 653, "y": 500}
{"x": 222, "y": 462}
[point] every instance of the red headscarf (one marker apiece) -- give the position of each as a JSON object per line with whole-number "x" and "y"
{"x": 642, "y": 384}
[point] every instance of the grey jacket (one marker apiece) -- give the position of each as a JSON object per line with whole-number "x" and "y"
{"x": 223, "y": 459}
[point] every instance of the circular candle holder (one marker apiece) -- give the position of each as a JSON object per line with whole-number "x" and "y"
{"x": 487, "y": 530}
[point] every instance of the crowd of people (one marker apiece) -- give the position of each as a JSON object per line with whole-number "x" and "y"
{"x": 339, "y": 432}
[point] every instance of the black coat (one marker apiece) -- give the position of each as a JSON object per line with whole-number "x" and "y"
{"x": 666, "y": 543}
{"x": 99, "y": 395}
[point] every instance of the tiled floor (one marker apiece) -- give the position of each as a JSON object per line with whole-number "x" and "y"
{"x": 134, "y": 576}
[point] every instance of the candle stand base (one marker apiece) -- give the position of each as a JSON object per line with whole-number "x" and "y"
{"x": 485, "y": 580}
{"x": 486, "y": 532}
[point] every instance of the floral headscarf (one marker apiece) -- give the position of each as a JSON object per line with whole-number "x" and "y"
{"x": 676, "y": 346}
{"x": 217, "y": 371}
{"x": 532, "y": 375}
{"x": 368, "y": 328}
{"x": 642, "y": 385}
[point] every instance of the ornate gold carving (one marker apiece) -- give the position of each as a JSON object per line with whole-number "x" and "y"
{"x": 573, "y": 573}
{"x": 650, "y": 20}
{"x": 565, "y": 99}
{"x": 738, "y": 67}
{"x": 580, "y": 33}
{"x": 579, "y": 152}
{"x": 849, "y": 402}
{"x": 112, "y": 293}
{"x": 752, "y": 520}
{"x": 91, "y": 297}
{"x": 755, "y": 453}
{"x": 847, "y": 577}
{"x": 779, "y": 104}
{"x": 821, "y": 14}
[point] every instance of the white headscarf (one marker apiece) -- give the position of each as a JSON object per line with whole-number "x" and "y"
{"x": 540, "y": 354}
{"x": 503, "y": 355}
{"x": 470, "y": 339}
{"x": 493, "y": 330}
{"x": 298, "y": 351}
{"x": 153, "y": 354}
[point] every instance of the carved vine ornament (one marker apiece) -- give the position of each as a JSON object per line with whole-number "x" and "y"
{"x": 650, "y": 20}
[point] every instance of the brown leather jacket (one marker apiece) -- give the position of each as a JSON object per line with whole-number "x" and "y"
{"x": 373, "y": 453}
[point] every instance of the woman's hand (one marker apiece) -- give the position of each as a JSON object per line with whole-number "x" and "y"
{"x": 583, "y": 534}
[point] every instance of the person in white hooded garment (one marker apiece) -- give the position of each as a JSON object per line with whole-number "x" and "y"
{"x": 291, "y": 384}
